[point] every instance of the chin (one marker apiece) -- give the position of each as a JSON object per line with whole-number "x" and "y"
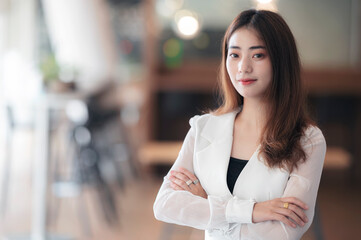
{"x": 248, "y": 95}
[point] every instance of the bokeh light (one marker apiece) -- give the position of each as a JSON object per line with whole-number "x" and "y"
{"x": 171, "y": 48}
{"x": 269, "y": 5}
{"x": 77, "y": 111}
{"x": 264, "y": 1}
{"x": 173, "y": 52}
{"x": 187, "y": 24}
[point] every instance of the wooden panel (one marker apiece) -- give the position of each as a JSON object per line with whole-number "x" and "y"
{"x": 195, "y": 76}
{"x": 332, "y": 81}
{"x": 201, "y": 76}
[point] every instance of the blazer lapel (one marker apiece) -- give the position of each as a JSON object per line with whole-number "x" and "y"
{"x": 213, "y": 158}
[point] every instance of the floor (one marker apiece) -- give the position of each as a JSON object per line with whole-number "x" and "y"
{"x": 81, "y": 217}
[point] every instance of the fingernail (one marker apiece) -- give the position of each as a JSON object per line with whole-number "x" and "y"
{"x": 306, "y": 207}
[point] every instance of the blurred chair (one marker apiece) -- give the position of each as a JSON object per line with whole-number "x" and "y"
{"x": 97, "y": 154}
{"x": 66, "y": 138}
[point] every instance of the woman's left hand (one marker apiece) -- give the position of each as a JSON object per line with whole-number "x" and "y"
{"x": 186, "y": 181}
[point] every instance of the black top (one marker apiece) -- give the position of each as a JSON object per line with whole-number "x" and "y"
{"x": 235, "y": 167}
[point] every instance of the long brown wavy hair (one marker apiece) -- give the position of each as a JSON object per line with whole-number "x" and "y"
{"x": 287, "y": 115}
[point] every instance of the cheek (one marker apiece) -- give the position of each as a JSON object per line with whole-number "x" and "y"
{"x": 268, "y": 69}
{"x": 265, "y": 70}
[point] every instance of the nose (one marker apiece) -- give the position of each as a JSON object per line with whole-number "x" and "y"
{"x": 244, "y": 65}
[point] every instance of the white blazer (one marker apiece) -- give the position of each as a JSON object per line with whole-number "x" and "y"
{"x": 205, "y": 152}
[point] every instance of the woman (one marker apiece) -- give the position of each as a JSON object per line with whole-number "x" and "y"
{"x": 251, "y": 169}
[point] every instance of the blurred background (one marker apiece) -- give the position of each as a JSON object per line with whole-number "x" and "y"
{"x": 95, "y": 98}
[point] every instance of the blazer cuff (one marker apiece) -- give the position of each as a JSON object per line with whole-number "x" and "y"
{"x": 239, "y": 211}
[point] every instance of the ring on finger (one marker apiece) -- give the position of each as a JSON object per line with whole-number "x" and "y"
{"x": 189, "y": 182}
{"x": 195, "y": 181}
{"x": 286, "y": 205}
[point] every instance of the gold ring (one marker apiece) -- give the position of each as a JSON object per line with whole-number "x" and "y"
{"x": 285, "y": 205}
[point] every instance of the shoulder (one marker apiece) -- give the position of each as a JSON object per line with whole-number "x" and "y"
{"x": 197, "y": 119}
{"x": 201, "y": 120}
{"x": 313, "y": 136}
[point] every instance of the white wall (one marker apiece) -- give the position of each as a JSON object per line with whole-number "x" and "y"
{"x": 18, "y": 51}
{"x": 322, "y": 30}
{"x": 325, "y": 32}
{"x": 80, "y": 37}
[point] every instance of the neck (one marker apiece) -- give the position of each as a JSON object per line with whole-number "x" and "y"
{"x": 253, "y": 114}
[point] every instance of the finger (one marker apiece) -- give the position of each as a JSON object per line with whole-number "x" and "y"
{"x": 285, "y": 220}
{"x": 190, "y": 175}
{"x": 296, "y": 210}
{"x": 289, "y": 213}
{"x": 299, "y": 212}
{"x": 175, "y": 186}
{"x": 193, "y": 178}
{"x": 173, "y": 172}
{"x": 181, "y": 176}
{"x": 179, "y": 182}
{"x": 295, "y": 201}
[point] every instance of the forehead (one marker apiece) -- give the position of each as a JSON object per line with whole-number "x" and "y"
{"x": 245, "y": 37}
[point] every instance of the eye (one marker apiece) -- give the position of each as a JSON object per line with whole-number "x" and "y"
{"x": 258, "y": 55}
{"x": 233, "y": 55}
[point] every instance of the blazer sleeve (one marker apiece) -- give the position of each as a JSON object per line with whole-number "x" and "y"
{"x": 184, "y": 208}
{"x": 303, "y": 184}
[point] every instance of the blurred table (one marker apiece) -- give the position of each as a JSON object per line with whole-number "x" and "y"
{"x": 159, "y": 152}
{"x": 45, "y": 104}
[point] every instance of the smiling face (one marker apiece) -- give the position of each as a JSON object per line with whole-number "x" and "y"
{"x": 248, "y": 63}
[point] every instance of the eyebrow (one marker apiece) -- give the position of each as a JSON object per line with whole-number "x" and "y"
{"x": 251, "y": 48}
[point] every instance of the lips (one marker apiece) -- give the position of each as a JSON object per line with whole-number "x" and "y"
{"x": 247, "y": 81}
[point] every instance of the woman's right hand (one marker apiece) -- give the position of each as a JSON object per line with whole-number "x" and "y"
{"x": 274, "y": 210}
{"x": 178, "y": 182}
